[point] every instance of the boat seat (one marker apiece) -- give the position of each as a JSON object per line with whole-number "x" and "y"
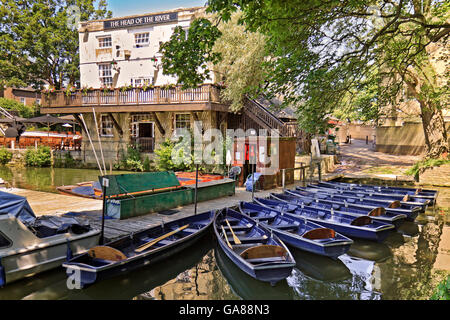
{"x": 286, "y": 226}
{"x": 238, "y": 228}
{"x": 189, "y": 230}
{"x": 250, "y": 239}
{"x": 231, "y": 220}
{"x": 264, "y": 260}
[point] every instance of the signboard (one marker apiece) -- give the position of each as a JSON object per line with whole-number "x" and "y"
{"x": 140, "y": 21}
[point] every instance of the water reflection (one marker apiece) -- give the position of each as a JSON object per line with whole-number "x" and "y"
{"x": 319, "y": 267}
{"x": 400, "y": 268}
{"x": 370, "y": 250}
{"x": 47, "y": 179}
{"x": 247, "y": 287}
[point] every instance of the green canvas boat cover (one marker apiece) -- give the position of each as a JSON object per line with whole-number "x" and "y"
{"x": 122, "y": 184}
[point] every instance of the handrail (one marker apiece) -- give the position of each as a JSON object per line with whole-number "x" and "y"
{"x": 131, "y": 96}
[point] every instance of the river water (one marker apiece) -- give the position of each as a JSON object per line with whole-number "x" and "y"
{"x": 405, "y": 266}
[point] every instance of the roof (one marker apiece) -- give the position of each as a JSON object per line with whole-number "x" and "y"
{"x": 274, "y": 105}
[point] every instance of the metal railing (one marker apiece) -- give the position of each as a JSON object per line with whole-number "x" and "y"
{"x": 304, "y": 178}
{"x": 144, "y": 144}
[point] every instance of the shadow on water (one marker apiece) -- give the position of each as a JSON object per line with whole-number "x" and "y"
{"x": 320, "y": 267}
{"x": 129, "y": 285}
{"x": 370, "y": 250}
{"x": 247, "y": 287}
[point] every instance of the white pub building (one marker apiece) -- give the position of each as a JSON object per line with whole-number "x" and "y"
{"x": 126, "y": 100}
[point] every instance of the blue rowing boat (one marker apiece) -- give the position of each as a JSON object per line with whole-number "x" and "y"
{"x": 137, "y": 250}
{"x": 252, "y": 247}
{"x": 379, "y": 210}
{"x": 413, "y": 191}
{"x": 395, "y": 202}
{"x": 363, "y": 227}
{"x": 405, "y": 195}
{"x": 299, "y": 232}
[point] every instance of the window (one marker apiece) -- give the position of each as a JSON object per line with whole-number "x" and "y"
{"x": 136, "y": 82}
{"x": 105, "y": 42}
{"x": 182, "y": 120}
{"x": 23, "y": 101}
{"x": 106, "y": 125}
{"x": 142, "y": 39}
{"x": 105, "y": 74}
{"x": 4, "y": 241}
{"x": 38, "y": 101}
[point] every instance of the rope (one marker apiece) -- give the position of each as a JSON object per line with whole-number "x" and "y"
{"x": 92, "y": 145}
{"x": 99, "y": 140}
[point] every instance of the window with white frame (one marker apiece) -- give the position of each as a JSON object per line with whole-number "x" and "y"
{"x": 23, "y": 101}
{"x": 142, "y": 39}
{"x": 104, "y": 42}
{"x": 182, "y": 120}
{"x": 38, "y": 101}
{"x": 136, "y": 82}
{"x": 105, "y": 74}
{"x": 106, "y": 125}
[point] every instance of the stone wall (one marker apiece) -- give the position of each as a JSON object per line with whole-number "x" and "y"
{"x": 402, "y": 140}
{"x": 357, "y": 131}
{"x": 113, "y": 146}
{"x": 437, "y": 176}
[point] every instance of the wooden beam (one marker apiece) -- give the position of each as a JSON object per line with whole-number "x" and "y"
{"x": 158, "y": 124}
{"x": 194, "y": 116}
{"x": 180, "y": 107}
{"x": 116, "y": 124}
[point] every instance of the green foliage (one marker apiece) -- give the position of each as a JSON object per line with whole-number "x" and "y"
{"x": 422, "y": 165}
{"x": 5, "y": 156}
{"x": 442, "y": 292}
{"x": 234, "y": 55}
{"x": 39, "y": 44}
{"x": 40, "y": 157}
{"x": 13, "y": 105}
{"x": 359, "y": 53}
{"x": 184, "y": 54}
{"x": 131, "y": 160}
{"x": 164, "y": 153}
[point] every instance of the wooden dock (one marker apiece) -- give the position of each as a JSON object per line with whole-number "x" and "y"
{"x": 45, "y": 203}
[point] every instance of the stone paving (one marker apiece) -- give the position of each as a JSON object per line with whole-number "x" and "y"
{"x": 360, "y": 159}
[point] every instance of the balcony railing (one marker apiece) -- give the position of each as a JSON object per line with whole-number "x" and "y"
{"x": 134, "y": 96}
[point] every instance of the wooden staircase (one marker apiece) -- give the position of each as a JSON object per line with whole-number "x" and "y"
{"x": 267, "y": 120}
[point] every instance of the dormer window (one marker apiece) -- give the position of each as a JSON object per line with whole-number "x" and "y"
{"x": 142, "y": 39}
{"x": 105, "y": 42}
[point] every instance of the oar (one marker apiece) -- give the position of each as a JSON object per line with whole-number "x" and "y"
{"x": 152, "y": 242}
{"x": 236, "y": 239}
{"x": 226, "y": 238}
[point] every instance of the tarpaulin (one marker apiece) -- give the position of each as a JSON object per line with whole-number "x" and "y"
{"x": 17, "y": 206}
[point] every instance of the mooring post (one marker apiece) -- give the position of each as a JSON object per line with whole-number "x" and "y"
{"x": 105, "y": 183}
{"x": 196, "y": 186}
{"x": 283, "y": 178}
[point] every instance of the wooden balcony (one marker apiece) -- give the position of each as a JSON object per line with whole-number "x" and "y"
{"x": 204, "y": 97}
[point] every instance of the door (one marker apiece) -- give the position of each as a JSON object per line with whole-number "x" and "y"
{"x": 145, "y": 136}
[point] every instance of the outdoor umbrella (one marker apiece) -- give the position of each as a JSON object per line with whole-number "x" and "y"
{"x": 47, "y": 119}
{"x": 11, "y": 120}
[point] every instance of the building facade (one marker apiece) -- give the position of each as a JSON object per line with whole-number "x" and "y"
{"x": 26, "y": 96}
{"x": 125, "y": 99}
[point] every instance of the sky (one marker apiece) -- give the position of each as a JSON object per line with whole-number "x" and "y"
{"x": 121, "y": 8}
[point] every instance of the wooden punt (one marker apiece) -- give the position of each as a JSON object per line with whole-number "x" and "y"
{"x": 137, "y": 250}
{"x": 252, "y": 247}
{"x": 363, "y": 227}
{"x": 298, "y": 232}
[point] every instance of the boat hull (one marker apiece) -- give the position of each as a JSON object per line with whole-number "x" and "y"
{"x": 33, "y": 261}
{"x": 86, "y": 274}
{"x": 272, "y": 270}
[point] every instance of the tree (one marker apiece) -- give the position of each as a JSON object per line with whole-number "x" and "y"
{"x": 326, "y": 51}
{"x": 225, "y": 49}
{"x": 39, "y": 40}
